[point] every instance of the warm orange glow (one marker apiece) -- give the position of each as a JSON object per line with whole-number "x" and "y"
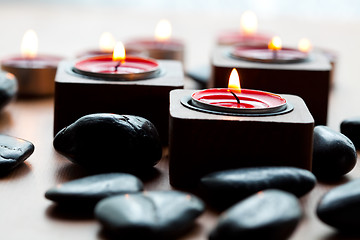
{"x": 234, "y": 80}
{"x": 304, "y": 45}
{"x": 10, "y": 75}
{"x": 248, "y": 22}
{"x": 106, "y": 42}
{"x": 29, "y": 44}
{"x": 275, "y": 43}
{"x": 163, "y": 30}
{"x": 119, "y": 54}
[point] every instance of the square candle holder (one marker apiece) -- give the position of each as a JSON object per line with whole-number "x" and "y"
{"x": 77, "y": 95}
{"x": 202, "y": 142}
{"x": 309, "y": 79}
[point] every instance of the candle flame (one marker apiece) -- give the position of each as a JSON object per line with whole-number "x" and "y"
{"x": 106, "y": 42}
{"x": 234, "y": 80}
{"x": 29, "y": 44}
{"x": 119, "y": 54}
{"x": 10, "y": 75}
{"x": 304, "y": 45}
{"x": 163, "y": 30}
{"x": 275, "y": 43}
{"x": 248, "y": 23}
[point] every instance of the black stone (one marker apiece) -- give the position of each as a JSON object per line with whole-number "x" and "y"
{"x": 351, "y": 128}
{"x": 334, "y": 154}
{"x": 154, "y": 215}
{"x": 227, "y": 187}
{"x": 271, "y": 214}
{"x": 88, "y": 191}
{"x": 340, "y": 207}
{"x": 13, "y": 151}
{"x": 8, "y": 88}
{"x": 110, "y": 142}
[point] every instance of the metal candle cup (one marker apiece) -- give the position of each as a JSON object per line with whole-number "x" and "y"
{"x": 103, "y": 67}
{"x": 166, "y": 49}
{"x": 35, "y": 76}
{"x": 263, "y": 54}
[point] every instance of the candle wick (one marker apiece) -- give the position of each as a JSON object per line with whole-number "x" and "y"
{"x": 236, "y": 97}
{"x": 117, "y": 65}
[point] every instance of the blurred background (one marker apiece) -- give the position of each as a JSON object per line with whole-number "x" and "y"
{"x": 67, "y": 27}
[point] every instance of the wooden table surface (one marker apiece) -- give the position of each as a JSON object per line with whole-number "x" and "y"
{"x": 66, "y": 29}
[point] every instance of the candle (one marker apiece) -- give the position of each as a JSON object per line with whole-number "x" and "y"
{"x": 255, "y": 137}
{"x": 118, "y": 66}
{"x": 236, "y": 100}
{"x": 35, "y": 73}
{"x": 304, "y": 45}
{"x": 247, "y": 35}
{"x": 273, "y": 53}
{"x": 106, "y": 46}
{"x": 162, "y": 46}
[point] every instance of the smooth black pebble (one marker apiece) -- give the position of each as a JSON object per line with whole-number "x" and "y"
{"x": 13, "y": 151}
{"x": 154, "y": 215}
{"x": 224, "y": 188}
{"x": 270, "y": 214}
{"x": 334, "y": 154}
{"x": 8, "y": 88}
{"x": 351, "y": 128}
{"x": 340, "y": 207}
{"x": 88, "y": 191}
{"x": 110, "y": 142}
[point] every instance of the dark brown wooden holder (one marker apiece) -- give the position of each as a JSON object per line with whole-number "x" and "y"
{"x": 200, "y": 142}
{"x": 310, "y": 79}
{"x": 77, "y": 95}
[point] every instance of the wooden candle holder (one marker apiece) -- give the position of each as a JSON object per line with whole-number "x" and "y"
{"x": 201, "y": 143}
{"x": 310, "y": 79}
{"x": 77, "y": 95}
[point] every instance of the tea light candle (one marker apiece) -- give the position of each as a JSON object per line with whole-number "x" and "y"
{"x": 106, "y": 46}
{"x": 273, "y": 53}
{"x": 160, "y": 47}
{"x": 236, "y": 100}
{"x": 35, "y": 73}
{"x": 118, "y": 66}
{"x": 248, "y": 34}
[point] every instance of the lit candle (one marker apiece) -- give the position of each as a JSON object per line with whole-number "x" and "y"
{"x": 118, "y": 66}
{"x": 161, "y": 46}
{"x": 35, "y": 73}
{"x": 106, "y": 46}
{"x": 304, "y": 45}
{"x": 236, "y": 100}
{"x": 272, "y": 53}
{"x": 247, "y": 35}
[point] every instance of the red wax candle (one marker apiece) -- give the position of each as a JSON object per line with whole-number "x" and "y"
{"x": 118, "y": 66}
{"x": 133, "y": 68}
{"x": 35, "y": 73}
{"x": 273, "y": 53}
{"x": 247, "y": 101}
{"x": 237, "y": 100}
